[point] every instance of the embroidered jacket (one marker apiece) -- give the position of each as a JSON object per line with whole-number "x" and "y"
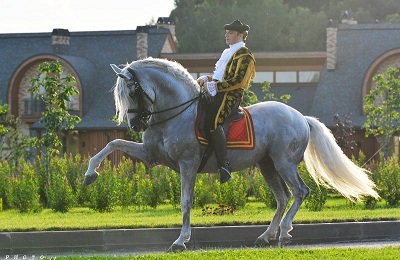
{"x": 238, "y": 72}
{"x": 237, "y": 76}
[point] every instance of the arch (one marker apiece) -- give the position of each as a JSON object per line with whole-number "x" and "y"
{"x": 392, "y": 56}
{"x": 19, "y": 73}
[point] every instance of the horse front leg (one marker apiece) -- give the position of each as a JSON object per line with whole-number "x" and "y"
{"x": 136, "y": 150}
{"x": 188, "y": 180}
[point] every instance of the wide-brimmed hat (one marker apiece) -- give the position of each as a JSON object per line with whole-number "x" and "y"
{"x": 237, "y": 25}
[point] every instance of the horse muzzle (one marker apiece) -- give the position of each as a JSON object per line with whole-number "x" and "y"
{"x": 137, "y": 126}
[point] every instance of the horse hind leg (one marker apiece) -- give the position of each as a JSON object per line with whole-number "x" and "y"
{"x": 289, "y": 173}
{"x": 281, "y": 195}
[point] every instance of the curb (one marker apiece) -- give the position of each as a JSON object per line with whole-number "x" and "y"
{"x": 159, "y": 239}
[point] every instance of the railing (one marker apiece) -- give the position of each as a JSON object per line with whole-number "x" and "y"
{"x": 33, "y": 108}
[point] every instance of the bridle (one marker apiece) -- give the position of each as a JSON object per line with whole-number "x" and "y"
{"x": 145, "y": 113}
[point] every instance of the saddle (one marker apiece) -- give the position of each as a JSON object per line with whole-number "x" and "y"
{"x": 236, "y": 115}
{"x": 238, "y": 128}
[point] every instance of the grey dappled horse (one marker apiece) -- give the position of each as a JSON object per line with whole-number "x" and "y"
{"x": 160, "y": 98}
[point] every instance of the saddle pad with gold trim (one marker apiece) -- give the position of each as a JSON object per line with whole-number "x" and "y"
{"x": 240, "y": 134}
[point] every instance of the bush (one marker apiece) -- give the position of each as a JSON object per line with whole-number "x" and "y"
{"x": 40, "y": 172}
{"x": 59, "y": 193}
{"x": 125, "y": 173}
{"x": 318, "y": 194}
{"x": 204, "y": 190}
{"x": 4, "y": 184}
{"x": 262, "y": 192}
{"x": 103, "y": 194}
{"x": 171, "y": 183}
{"x": 149, "y": 189}
{"x": 24, "y": 190}
{"x": 388, "y": 181}
{"x": 234, "y": 192}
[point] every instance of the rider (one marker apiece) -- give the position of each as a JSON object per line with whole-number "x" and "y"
{"x": 233, "y": 73}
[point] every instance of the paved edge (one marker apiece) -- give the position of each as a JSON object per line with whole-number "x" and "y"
{"x": 159, "y": 239}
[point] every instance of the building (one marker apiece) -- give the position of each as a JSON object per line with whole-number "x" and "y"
{"x": 86, "y": 56}
{"x": 321, "y": 84}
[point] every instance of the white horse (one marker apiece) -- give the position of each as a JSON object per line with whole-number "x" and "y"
{"x": 160, "y": 98}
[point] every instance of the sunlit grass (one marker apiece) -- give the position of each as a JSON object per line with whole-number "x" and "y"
{"x": 254, "y": 213}
{"x": 275, "y": 253}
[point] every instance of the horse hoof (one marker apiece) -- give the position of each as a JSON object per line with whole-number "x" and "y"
{"x": 176, "y": 248}
{"x": 261, "y": 242}
{"x": 284, "y": 241}
{"x": 89, "y": 179}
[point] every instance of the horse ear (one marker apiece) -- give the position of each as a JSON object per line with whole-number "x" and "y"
{"x": 121, "y": 73}
{"x": 115, "y": 69}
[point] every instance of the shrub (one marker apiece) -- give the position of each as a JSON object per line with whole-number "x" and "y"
{"x": 204, "y": 190}
{"x": 59, "y": 193}
{"x": 125, "y": 172}
{"x": 388, "y": 181}
{"x": 24, "y": 190}
{"x": 41, "y": 173}
{"x": 149, "y": 189}
{"x": 318, "y": 194}
{"x": 103, "y": 194}
{"x": 261, "y": 190}
{"x": 4, "y": 184}
{"x": 234, "y": 192}
{"x": 172, "y": 186}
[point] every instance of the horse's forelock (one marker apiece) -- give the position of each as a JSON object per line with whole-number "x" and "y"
{"x": 121, "y": 94}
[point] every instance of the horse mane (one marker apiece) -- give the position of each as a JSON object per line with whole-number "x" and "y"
{"x": 171, "y": 68}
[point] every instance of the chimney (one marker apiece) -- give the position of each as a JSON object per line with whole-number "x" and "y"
{"x": 331, "y": 48}
{"x": 60, "y": 41}
{"x": 347, "y": 18}
{"x": 168, "y": 23}
{"x": 142, "y": 46}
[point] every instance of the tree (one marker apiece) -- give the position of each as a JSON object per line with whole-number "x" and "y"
{"x": 275, "y": 25}
{"x": 269, "y": 96}
{"x": 344, "y": 130}
{"x": 14, "y": 145}
{"x": 382, "y": 106}
{"x": 55, "y": 91}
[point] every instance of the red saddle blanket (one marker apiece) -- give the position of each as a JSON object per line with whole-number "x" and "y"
{"x": 240, "y": 134}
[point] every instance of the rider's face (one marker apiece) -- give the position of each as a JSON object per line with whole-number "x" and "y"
{"x": 232, "y": 37}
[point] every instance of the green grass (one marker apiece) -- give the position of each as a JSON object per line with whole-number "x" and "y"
{"x": 276, "y": 253}
{"x": 254, "y": 213}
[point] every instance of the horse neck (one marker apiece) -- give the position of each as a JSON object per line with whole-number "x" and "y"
{"x": 171, "y": 93}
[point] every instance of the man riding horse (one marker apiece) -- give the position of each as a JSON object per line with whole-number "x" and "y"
{"x": 233, "y": 73}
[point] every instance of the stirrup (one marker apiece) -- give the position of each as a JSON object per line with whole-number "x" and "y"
{"x": 224, "y": 174}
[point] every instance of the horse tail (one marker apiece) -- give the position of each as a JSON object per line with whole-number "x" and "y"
{"x": 329, "y": 166}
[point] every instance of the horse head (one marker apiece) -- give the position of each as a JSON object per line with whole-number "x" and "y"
{"x": 136, "y": 88}
{"x": 131, "y": 99}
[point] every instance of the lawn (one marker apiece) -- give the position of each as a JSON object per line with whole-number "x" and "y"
{"x": 275, "y": 253}
{"x": 254, "y": 213}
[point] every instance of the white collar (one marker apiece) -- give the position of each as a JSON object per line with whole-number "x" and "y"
{"x": 224, "y": 59}
{"x": 237, "y": 46}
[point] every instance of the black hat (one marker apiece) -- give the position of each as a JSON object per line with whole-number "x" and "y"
{"x": 237, "y": 25}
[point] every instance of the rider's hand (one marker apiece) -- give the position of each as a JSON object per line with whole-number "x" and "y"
{"x": 211, "y": 89}
{"x": 202, "y": 80}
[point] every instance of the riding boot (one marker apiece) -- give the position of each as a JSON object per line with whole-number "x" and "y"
{"x": 218, "y": 140}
